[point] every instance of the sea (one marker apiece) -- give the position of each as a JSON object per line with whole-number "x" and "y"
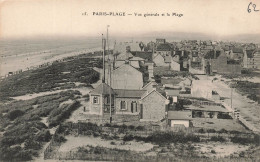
{"x": 24, "y": 54}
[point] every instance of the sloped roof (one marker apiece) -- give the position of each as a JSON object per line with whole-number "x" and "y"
{"x": 167, "y": 59}
{"x": 207, "y": 108}
{"x": 237, "y": 50}
{"x": 103, "y": 88}
{"x": 123, "y": 56}
{"x": 164, "y": 47}
{"x": 154, "y": 91}
{"x": 127, "y": 93}
{"x": 172, "y": 92}
{"x": 179, "y": 115}
{"x": 136, "y": 59}
{"x": 147, "y": 56}
{"x": 151, "y": 82}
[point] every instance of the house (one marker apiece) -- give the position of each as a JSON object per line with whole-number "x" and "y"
{"x": 153, "y": 106}
{"x": 208, "y": 111}
{"x": 164, "y": 49}
{"x": 127, "y": 101}
{"x": 173, "y": 94}
{"x": 179, "y": 119}
{"x": 251, "y": 59}
{"x": 256, "y": 58}
{"x": 126, "y": 77}
{"x": 160, "y": 41}
{"x": 175, "y": 65}
{"x": 123, "y": 57}
{"x": 220, "y": 65}
{"x": 100, "y": 99}
{"x": 158, "y": 59}
{"x": 136, "y": 62}
{"x": 149, "y": 87}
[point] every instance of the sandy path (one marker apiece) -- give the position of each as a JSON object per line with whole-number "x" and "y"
{"x": 74, "y": 142}
{"x": 249, "y": 110}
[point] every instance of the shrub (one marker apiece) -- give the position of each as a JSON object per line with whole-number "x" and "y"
{"x": 107, "y": 125}
{"x": 128, "y": 138}
{"x": 112, "y": 143}
{"x": 140, "y": 128}
{"x": 201, "y": 130}
{"x": 217, "y": 139}
{"x": 223, "y": 131}
{"x": 43, "y": 136}
{"x": 213, "y": 151}
{"x": 131, "y": 127}
{"x": 211, "y": 131}
{"x": 14, "y": 114}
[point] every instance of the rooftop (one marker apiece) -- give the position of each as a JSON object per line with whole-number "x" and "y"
{"x": 179, "y": 115}
{"x": 207, "y": 108}
{"x": 127, "y": 93}
{"x": 103, "y": 88}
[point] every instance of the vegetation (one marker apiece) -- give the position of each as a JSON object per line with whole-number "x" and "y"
{"x": 59, "y": 75}
{"x": 24, "y": 133}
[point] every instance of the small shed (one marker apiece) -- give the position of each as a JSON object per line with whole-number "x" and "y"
{"x": 179, "y": 118}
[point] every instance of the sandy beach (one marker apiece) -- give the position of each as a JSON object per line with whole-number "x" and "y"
{"x": 15, "y": 57}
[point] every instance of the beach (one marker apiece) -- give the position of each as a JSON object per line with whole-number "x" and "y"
{"x": 19, "y": 55}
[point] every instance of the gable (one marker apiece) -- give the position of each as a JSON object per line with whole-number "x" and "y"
{"x": 155, "y": 94}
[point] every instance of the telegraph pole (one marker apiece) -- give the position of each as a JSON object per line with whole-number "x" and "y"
{"x": 104, "y": 50}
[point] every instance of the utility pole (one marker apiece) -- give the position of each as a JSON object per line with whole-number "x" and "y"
{"x": 109, "y": 66}
{"x": 104, "y": 49}
{"x": 110, "y": 96}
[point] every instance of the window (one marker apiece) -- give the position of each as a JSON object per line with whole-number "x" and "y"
{"x": 133, "y": 106}
{"x": 123, "y": 105}
{"x": 95, "y": 100}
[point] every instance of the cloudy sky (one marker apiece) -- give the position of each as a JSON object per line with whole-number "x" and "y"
{"x": 32, "y": 18}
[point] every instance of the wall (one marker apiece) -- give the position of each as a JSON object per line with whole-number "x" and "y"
{"x": 96, "y": 108}
{"x": 153, "y": 107}
{"x": 128, "y": 110}
{"x": 186, "y": 123}
{"x": 127, "y": 77}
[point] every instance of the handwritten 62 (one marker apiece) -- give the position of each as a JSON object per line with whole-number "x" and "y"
{"x": 253, "y": 6}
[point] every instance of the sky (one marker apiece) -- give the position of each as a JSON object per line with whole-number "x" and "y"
{"x": 34, "y": 18}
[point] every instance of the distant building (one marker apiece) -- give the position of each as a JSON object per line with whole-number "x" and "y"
{"x": 251, "y": 59}
{"x": 220, "y": 65}
{"x": 160, "y": 41}
{"x": 164, "y": 49}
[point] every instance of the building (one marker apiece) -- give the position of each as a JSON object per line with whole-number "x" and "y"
{"x": 160, "y": 41}
{"x": 220, "y": 65}
{"x": 100, "y": 99}
{"x": 158, "y": 59}
{"x": 127, "y": 77}
{"x": 153, "y": 106}
{"x": 136, "y": 62}
{"x": 209, "y": 111}
{"x": 179, "y": 119}
{"x": 164, "y": 49}
{"x": 251, "y": 59}
{"x": 127, "y": 101}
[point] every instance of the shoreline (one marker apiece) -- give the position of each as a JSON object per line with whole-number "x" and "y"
{"x": 17, "y": 63}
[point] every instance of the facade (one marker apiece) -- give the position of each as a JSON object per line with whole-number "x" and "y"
{"x": 127, "y": 101}
{"x": 179, "y": 119}
{"x": 153, "y": 106}
{"x": 158, "y": 59}
{"x": 251, "y": 59}
{"x": 100, "y": 99}
{"x": 221, "y": 66}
